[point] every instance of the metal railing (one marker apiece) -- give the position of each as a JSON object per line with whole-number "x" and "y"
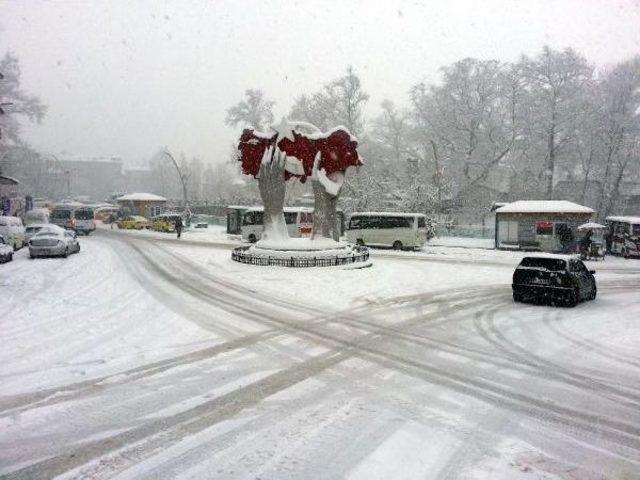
{"x": 240, "y": 254}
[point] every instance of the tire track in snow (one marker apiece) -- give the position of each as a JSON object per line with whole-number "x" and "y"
{"x": 172, "y": 429}
{"x": 591, "y": 346}
{"x": 202, "y": 416}
{"x": 9, "y": 405}
{"x": 484, "y": 322}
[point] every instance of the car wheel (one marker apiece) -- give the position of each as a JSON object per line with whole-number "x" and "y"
{"x": 252, "y": 238}
{"x": 517, "y": 297}
{"x": 397, "y": 245}
{"x": 360, "y": 242}
{"x": 573, "y": 298}
{"x": 594, "y": 293}
{"x": 625, "y": 253}
{"x": 66, "y": 253}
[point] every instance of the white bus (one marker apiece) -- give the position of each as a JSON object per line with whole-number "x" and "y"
{"x": 388, "y": 229}
{"x": 299, "y": 222}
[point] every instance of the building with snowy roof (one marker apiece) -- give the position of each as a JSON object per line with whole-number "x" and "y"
{"x": 541, "y": 225}
{"x": 144, "y": 204}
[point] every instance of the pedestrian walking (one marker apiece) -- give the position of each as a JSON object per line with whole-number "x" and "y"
{"x": 178, "y": 225}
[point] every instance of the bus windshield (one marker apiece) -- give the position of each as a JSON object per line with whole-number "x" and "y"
{"x": 84, "y": 214}
{"x": 61, "y": 214}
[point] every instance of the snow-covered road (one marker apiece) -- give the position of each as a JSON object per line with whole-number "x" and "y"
{"x": 146, "y": 359}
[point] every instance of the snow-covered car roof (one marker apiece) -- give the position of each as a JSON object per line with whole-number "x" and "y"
{"x": 553, "y": 256}
{"x": 387, "y": 214}
{"x": 634, "y": 220}
{"x": 49, "y": 233}
{"x": 12, "y": 221}
{"x": 544, "y": 206}
{"x": 591, "y": 226}
{"x": 48, "y": 226}
{"x": 142, "y": 197}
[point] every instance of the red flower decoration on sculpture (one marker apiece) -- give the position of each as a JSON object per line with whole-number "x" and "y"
{"x": 251, "y": 148}
{"x": 338, "y": 151}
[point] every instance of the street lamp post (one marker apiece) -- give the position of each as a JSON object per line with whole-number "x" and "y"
{"x": 184, "y": 177}
{"x": 67, "y": 174}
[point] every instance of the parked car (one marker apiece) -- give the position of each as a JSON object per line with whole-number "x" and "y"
{"x": 560, "y": 279}
{"x": 32, "y": 229}
{"x": 165, "y": 222}
{"x": 12, "y": 230}
{"x": 104, "y": 214}
{"x": 36, "y": 215}
{"x": 72, "y": 241}
{"x": 53, "y": 244}
{"x": 133, "y": 222}
{"x": 6, "y": 251}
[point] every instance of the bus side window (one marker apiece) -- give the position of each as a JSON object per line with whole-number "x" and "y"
{"x": 372, "y": 222}
{"x": 290, "y": 217}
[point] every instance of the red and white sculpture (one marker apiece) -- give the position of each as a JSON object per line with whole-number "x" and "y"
{"x": 299, "y": 149}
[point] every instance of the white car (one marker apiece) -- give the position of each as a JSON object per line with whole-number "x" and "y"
{"x": 36, "y": 216}
{"x": 6, "y": 252}
{"x": 31, "y": 230}
{"x": 12, "y": 230}
{"x": 53, "y": 244}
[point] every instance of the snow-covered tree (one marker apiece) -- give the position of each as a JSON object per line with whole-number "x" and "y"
{"x": 254, "y": 111}
{"x": 339, "y": 102}
{"x": 14, "y": 102}
{"x": 557, "y": 85}
{"x": 620, "y": 129}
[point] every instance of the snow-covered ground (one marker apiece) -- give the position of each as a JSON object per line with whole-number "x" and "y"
{"x": 141, "y": 358}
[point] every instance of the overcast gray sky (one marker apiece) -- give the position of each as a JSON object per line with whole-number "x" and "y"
{"x": 125, "y": 77}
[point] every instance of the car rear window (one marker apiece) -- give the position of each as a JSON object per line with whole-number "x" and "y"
{"x": 551, "y": 264}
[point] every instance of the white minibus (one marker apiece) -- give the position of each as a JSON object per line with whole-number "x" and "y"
{"x": 388, "y": 229}
{"x": 299, "y": 222}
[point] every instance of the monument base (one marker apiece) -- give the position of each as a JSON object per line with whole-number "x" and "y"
{"x": 301, "y": 253}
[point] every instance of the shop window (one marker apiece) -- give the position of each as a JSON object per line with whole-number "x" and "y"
{"x": 544, "y": 228}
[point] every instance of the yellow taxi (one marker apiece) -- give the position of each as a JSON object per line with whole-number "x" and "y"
{"x": 133, "y": 222}
{"x": 165, "y": 222}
